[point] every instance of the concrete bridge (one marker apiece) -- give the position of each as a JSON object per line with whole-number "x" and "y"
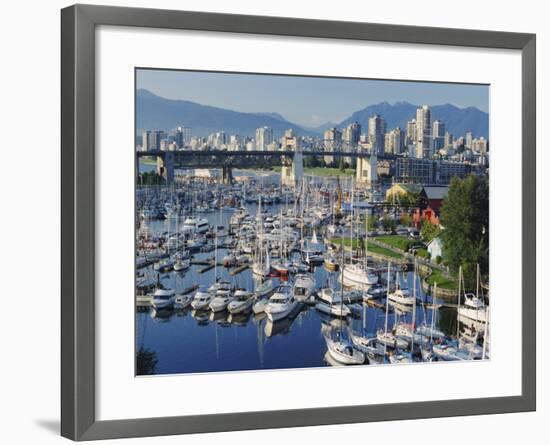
{"x": 290, "y": 160}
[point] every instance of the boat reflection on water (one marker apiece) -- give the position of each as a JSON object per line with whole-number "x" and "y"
{"x": 161, "y": 315}
{"x": 281, "y": 327}
{"x": 240, "y": 319}
{"x": 201, "y": 316}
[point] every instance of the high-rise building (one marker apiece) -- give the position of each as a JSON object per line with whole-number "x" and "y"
{"x": 438, "y": 135}
{"x": 332, "y": 139}
{"x": 150, "y": 140}
{"x": 448, "y": 140}
{"x": 264, "y": 137}
{"x": 411, "y": 132}
{"x": 479, "y": 145}
{"x": 377, "y": 130}
{"x": 468, "y": 140}
{"x": 423, "y": 132}
{"x": 351, "y": 134}
{"x": 182, "y": 136}
{"x": 395, "y": 141}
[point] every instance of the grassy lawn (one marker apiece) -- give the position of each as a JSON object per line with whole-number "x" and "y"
{"x": 371, "y": 247}
{"x": 383, "y": 251}
{"x": 326, "y": 171}
{"x": 398, "y": 241}
{"x": 442, "y": 281}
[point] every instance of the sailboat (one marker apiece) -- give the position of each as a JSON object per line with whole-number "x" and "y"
{"x": 340, "y": 349}
{"x": 474, "y": 307}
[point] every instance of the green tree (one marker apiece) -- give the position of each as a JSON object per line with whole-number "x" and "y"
{"x": 405, "y": 219}
{"x": 429, "y": 231}
{"x": 465, "y": 217}
{"x": 388, "y": 223}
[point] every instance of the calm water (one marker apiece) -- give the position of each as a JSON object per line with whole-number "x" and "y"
{"x": 190, "y": 342}
{"x": 185, "y": 341}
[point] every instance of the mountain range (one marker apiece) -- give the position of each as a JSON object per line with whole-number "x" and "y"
{"x": 155, "y": 112}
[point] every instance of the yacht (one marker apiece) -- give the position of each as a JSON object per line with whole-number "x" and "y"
{"x": 221, "y": 299}
{"x": 264, "y": 289}
{"x": 281, "y": 303}
{"x": 195, "y": 225}
{"x": 337, "y": 310}
{"x": 202, "y": 299}
{"x": 242, "y": 302}
{"x": 181, "y": 264}
{"x": 358, "y": 276}
{"x": 183, "y": 301}
{"x": 474, "y": 308}
{"x": 304, "y": 286}
{"x": 401, "y": 296}
{"x": 163, "y": 299}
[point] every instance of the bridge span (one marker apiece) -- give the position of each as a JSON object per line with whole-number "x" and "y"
{"x": 290, "y": 160}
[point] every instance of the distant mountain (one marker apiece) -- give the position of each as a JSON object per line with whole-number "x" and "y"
{"x": 155, "y": 112}
{"x": 457, "y": 121}
{"x": 159, "y": 113}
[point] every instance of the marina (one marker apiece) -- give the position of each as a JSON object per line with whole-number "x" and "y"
{"x": 253, "y": 274}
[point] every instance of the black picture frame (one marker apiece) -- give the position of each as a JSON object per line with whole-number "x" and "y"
{"x": 78, "y": 23}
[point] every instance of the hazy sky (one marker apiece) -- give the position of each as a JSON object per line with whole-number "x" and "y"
{"x": 307, "y": 101}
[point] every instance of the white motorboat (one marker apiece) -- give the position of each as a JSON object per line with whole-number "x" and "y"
{"x": 195, "y": 225}
{"x": 163, "y": 299}
{"x": 219, "y": 286}
{"x": 265, "y": 289}
{"x": 281, "y": 303}
{"x": 336, "y": 310}
{"x": 358, "y": 276}
{"x": 164, "y": 265}
{"x": 181, "y": 264}
{"x": 259, "y": 306}
{"x": 304, "y": 286}
{"x": 242, "y": 302}
{"x": 183, "y": 300}
{"x": 474, "y": 308}
{"x": 221, "y": 300}
{"x": 401, "y": 296}
{"x": 202, "y": 299}
{"x": 343, "y": 352}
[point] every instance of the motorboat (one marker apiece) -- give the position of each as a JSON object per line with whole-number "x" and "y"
{"x": 336, "y": 310}
{"x": 221, "y": 299}
{"x": 358, "y": 276}
{"x": 183, "y": 300}
{"x": 281, "y": 303}
{"x": 331, "y": 264}
{"x": 163, "y": 299}
{"x": 202, "y": 299}
{"x": 304, "y": 286}
{"x": 164, "y": 265}
{"x": 264, "y": 289}
{"x": 401, "y": 296}
{"x": 242, "y": 301}
{"x": 181, "y": 264}
{"x": 474, "y": 308}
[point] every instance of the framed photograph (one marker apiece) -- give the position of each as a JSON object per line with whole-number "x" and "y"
{"x": 259, "y": 212}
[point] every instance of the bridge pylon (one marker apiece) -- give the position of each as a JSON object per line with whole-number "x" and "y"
{"x": 165, "y": 166}
{"x": 227, "y": 175}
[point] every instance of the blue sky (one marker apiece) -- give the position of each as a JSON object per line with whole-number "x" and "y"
{"x": 308, "y": 101}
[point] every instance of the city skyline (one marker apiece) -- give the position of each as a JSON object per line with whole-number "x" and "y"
{"x": 315, "y": 100}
